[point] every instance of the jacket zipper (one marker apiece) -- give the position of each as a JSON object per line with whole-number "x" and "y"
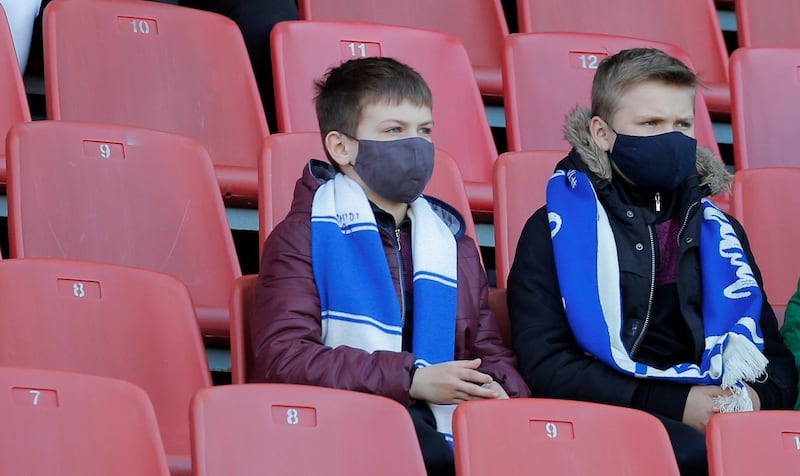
{"x": 398, "y": 251}
{"x": 658, "y": 201}
{"x": 685, "y": 221}
{"x": 646, "y": 324}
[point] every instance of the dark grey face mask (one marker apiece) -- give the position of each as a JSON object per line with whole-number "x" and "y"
{"x": 397, "y": 170}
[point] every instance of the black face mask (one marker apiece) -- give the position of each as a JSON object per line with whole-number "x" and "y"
{"x": 659, "y": 162}
{"x": 397, "y": 170}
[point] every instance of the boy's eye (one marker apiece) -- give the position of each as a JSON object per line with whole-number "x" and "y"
{"x": 425, "y": 131}
{"x": 393, "y": 130}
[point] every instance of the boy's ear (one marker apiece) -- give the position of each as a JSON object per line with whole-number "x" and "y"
{"x": 601, "y": 133}
{"x": 341, "y": 149}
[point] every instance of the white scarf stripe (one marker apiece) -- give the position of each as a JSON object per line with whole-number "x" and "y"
{"x": 346, "y": 246}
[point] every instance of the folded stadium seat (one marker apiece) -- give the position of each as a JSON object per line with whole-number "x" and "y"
{"x": 282, "y": 162}
{"x": 747, "y": 443}
{"x": 302, "y": 51}
{"x": 765, "y": 92}
{"x": 479, "y": 24}
{"x": 764, "y": 23}
{"x": 13, "y": 101}
{"x": 159, "y": 66}
{"x": 537, "y": 104}
{"x": 108, "y": 320}
{"x": 74, "y": 424}
{"x": 299, "y": 430}
{"x": 520, "y": 185}
{"x": 692, "y": 25}
{"x": 755, "y": 195}
{"x": 127, "y": 196}
{"x": 563, "y": 437}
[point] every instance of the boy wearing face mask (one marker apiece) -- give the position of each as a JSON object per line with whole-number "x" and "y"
{"x": 368, "y": 285}
{"x": 630, "y": 287}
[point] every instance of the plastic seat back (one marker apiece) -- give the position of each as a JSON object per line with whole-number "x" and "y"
{"x": 558, "y": 437}
{"x": 108, "y": 320}
{"x": 755, "y": 195}
{"x": 692, "y": 25}
{"x": 537, "y": 104}
{"x": 75, "y": 424}
{"x": 765, "y": 86}
{"x": 766, "y": 23}
{"x": 300, "y": 430}
{"x": 303, "y": 51}
{"x": 520, "y": 186}
{"x": 747, "y": 443}
{"x": 123, "y": 195}
{"x": 479, "y": 24}
{"x": 13, "y": 101}
{"x": 158, "y": 66}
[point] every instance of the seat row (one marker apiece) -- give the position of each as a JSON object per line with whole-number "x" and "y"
{"x": 186, "y": 71}
{"x": 149, "y": 199}
{"x": 79, "y": 424}
{"x": 481, "y": 25}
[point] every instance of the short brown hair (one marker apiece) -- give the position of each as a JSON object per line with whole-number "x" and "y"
{"x": 345, "y": 89}
{"x": 618, "y": 72}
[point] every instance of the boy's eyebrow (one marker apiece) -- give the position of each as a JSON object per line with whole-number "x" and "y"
{"x": 404, "y": 123}
{"x": 658, "y": 117}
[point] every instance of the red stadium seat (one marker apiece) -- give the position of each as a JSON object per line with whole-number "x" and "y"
{"x": 765, "y": 23}
{"x": 75, "y": 425}
{"x": 159, "y": 66}
{"x": 748, "y": 443}
{"x": 242, "y": 304}
{"x": 302, "y": 51}
{"x": 289, "y": 430}
{"x": 520, "y": 184}
{"x": 479, "y": 24}
{"x": 108, "y": 320}
{"x": 761, "y": 199}
{"x": 537, "y": 104}
{"x": 692, "y": 25}
{"x": 13, "y": 102}
{"x": 563, "y": 437}
{"x": 127, "y": 196}
{"x": 765, "y": 91}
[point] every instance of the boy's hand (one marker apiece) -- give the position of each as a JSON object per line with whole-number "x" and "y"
{"x": 452, "y": 382}
{"x": 493, "y": 385}
{"x": 700, "y": 405}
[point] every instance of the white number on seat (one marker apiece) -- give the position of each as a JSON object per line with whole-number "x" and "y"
{"x": 589, "y": 61}
{"x": 35, "y": 394}
{"x": 292, "y": 417}
{"x": 140, "y": 26}
{"x": 552, "y": 430}
{"x": 361, "y": 47}
{"x": 77, "y": 290}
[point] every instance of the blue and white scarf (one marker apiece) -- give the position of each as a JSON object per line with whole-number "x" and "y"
{"x": 588, "y": 274}
{"x": 357, "y": 295}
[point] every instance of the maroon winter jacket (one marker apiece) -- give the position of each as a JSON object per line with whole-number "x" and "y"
{"x": 285, "y": 329}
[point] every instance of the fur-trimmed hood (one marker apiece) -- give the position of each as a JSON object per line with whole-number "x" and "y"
{"x": 576, "y": 130}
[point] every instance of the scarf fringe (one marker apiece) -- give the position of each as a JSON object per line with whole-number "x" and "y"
{"x": 742, "y": 361}
{"x": 738, "y": 401}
